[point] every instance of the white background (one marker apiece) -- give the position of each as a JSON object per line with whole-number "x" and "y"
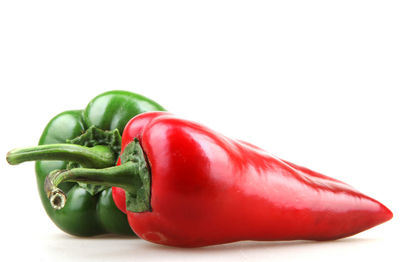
{"x": 314, "y": 82}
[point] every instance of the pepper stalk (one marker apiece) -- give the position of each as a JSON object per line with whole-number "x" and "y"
{"x": 98, "y": 156}
{"x": 95, "y": 148}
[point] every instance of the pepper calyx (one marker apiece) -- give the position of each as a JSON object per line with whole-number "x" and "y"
{"x": 140, "y": 200}
{"x": 95, "y": 136}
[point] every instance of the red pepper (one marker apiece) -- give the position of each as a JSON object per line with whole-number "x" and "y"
{"x": 208, "y": 189}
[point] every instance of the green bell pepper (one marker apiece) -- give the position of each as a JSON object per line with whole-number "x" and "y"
{"x": 88, "y": 138}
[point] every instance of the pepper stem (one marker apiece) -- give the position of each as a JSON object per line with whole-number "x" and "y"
{"x": 123, "y": 176}
{"x": 98, "y": 156}
{"x": 132, "y": 175}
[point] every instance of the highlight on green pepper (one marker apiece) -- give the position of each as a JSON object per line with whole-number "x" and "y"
{"x": 85, "y": 138}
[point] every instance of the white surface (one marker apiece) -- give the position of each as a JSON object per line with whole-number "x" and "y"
{"x": 313, "y": 82}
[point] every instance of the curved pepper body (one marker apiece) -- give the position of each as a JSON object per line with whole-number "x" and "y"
{"x": 209, "y": 189}
{"x": 85, "y": 214}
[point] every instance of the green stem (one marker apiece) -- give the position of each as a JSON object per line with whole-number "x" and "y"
{"x": 124, "y": 176}
{"x": 97, "y": 156}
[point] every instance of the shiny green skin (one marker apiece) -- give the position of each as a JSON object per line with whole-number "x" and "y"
{"x": 84, "y": 214}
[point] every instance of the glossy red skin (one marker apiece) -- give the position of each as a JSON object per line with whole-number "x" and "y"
{"x": 208, "y": 189}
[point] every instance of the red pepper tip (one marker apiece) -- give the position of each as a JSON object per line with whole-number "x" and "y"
{"x": 387, "y": 214}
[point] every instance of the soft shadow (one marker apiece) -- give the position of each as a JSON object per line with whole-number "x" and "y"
{"x": 128, "y": 247}
{"x": 249, "y": 245}
{"x": 105, "y": 237}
